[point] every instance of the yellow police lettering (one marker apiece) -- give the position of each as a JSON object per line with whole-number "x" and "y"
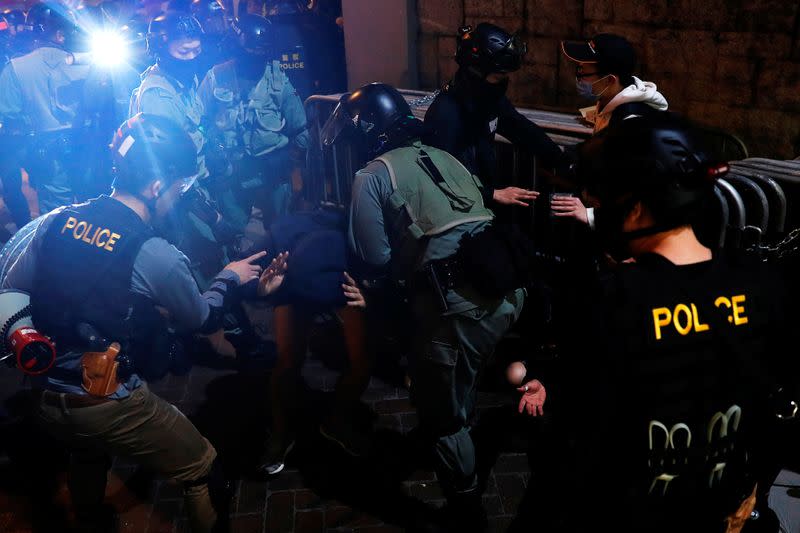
{"x": 738, "y": 310}
{"x": 100, "y": 235}
{"x": 112, "y": 241}
{"x": 698, "y": 327}
{"x": 661, "y": 317}
{"x": 69, "y": 224}
{"x": 722, "y": 300}
{"x": 682, "y": 309}
{"x": 685, "y": 318}
{"x": 94, "y": 236}
{"x": 86, "y": 234}
{"x": 80, "y": 229}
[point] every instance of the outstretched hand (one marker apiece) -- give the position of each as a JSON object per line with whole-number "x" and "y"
{"x": 569, "y": 207}
{"x": 355, "y": 298}
{"x": 533, "y": 397}
{"x": 514, "y": 196}
{"x": 272, "y": 277}
{"x": 245, "y": 269}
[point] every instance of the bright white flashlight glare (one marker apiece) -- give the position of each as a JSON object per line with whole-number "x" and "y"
{"x": 109, "y": 49}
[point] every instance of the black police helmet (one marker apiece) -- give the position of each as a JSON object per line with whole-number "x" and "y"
{"x": 657, "y": 159}
{"x": 171, "y": 26}
{"x": 254, "y": 32}
{"x": 148, "y": 147}
{"x": 211, "y": 14}
{"x": 45, "y": 19}
{"x": 489, "y": 49}
{"x": 376, "y": 112}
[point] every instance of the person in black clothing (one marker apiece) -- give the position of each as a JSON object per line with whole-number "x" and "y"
{"x": 671, "y": 356}
{"x": 465, "y": 116}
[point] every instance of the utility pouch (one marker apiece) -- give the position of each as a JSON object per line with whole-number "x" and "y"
{"x": 100, "y": 371}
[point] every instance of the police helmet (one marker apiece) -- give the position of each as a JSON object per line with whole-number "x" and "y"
{"x": 171, "y": 26}
{"x": 211, "y": 14}
{"x": 489, "y": 48}
{"x": 45, "y": 19}
{"x": 377, "y": 113}
{"x": 658, "y": 159}
{"x": 148, "y": 147}
{"x": 254, "y": 32}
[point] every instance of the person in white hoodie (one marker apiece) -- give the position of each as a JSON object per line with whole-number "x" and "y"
{"x": 605, "y": 66}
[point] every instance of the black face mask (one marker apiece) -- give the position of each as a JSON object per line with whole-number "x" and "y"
{"x": 182, "y": 70}
{"x": 484, "y": 94}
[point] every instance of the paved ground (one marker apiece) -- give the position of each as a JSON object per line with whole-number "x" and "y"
{"x": 321, "y": 490}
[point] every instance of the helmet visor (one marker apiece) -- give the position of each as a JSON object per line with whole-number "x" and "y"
{"x": 339, "y": 121}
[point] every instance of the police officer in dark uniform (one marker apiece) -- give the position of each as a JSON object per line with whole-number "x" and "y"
{"x": 310, "y": 48}
{"x": 465, "y": 116}
{"x": 101, "y": 284}
{"x": 670, "y": 357}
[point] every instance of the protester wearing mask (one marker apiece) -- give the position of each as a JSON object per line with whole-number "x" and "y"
{"x": 257, "y": 123}
{"x": 40, "y": 93}
{"x": 605, "y": 75}
{"x": 465, "y": 116}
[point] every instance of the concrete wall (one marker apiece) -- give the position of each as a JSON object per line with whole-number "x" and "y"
{"x": 380, "y": 38}
{"x": 730, "y": 64}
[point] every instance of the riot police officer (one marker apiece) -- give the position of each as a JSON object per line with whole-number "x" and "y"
{"x": 473, "y": 107}
{"x": 169, "y": 89}
{"x": 670, "y": 357}
{"x": 258, "y": 122}
{"x": 96, "y": 272}
{"x": 417, "y": 216}
{"x": 42, "y": 91}
{"x": 217, "y": 46}
{"x": 12, "y": 22}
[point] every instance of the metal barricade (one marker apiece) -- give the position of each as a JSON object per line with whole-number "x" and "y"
{"x": 331, "y": 169}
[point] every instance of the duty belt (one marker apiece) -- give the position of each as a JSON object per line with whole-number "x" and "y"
{"x": 441, "y": 275}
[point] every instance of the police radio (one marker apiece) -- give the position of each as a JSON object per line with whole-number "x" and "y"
{"x": 33, "y": 352}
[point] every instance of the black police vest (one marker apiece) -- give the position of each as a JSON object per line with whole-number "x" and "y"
{"x": 83, "y": 274}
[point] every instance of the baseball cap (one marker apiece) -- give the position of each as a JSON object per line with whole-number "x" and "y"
{"x": 612, "y": 53}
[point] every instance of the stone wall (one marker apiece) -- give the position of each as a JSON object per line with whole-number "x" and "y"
{"x": 728, "y": 64}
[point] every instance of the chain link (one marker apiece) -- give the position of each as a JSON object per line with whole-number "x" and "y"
{"x": 425, "y": 99}
{"x": 786, "y": 248}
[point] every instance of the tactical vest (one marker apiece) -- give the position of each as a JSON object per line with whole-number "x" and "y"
{"x": 84, "y": 272}
{"x": 187, "y": 102}
{"x": 256, "y": 125}
{"x": 434, "y": 189}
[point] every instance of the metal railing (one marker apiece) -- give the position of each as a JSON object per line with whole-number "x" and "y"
{"x": 330, "y": 169}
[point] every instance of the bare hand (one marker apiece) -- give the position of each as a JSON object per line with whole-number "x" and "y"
{"x": 570, "y": 207}
{"x": 514, "y": 196}
{"x": 272, "y": 277}
{"x": 245, "y": 268}
{"x": 355, "y": 298}
{"x": 533, "y": 397}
